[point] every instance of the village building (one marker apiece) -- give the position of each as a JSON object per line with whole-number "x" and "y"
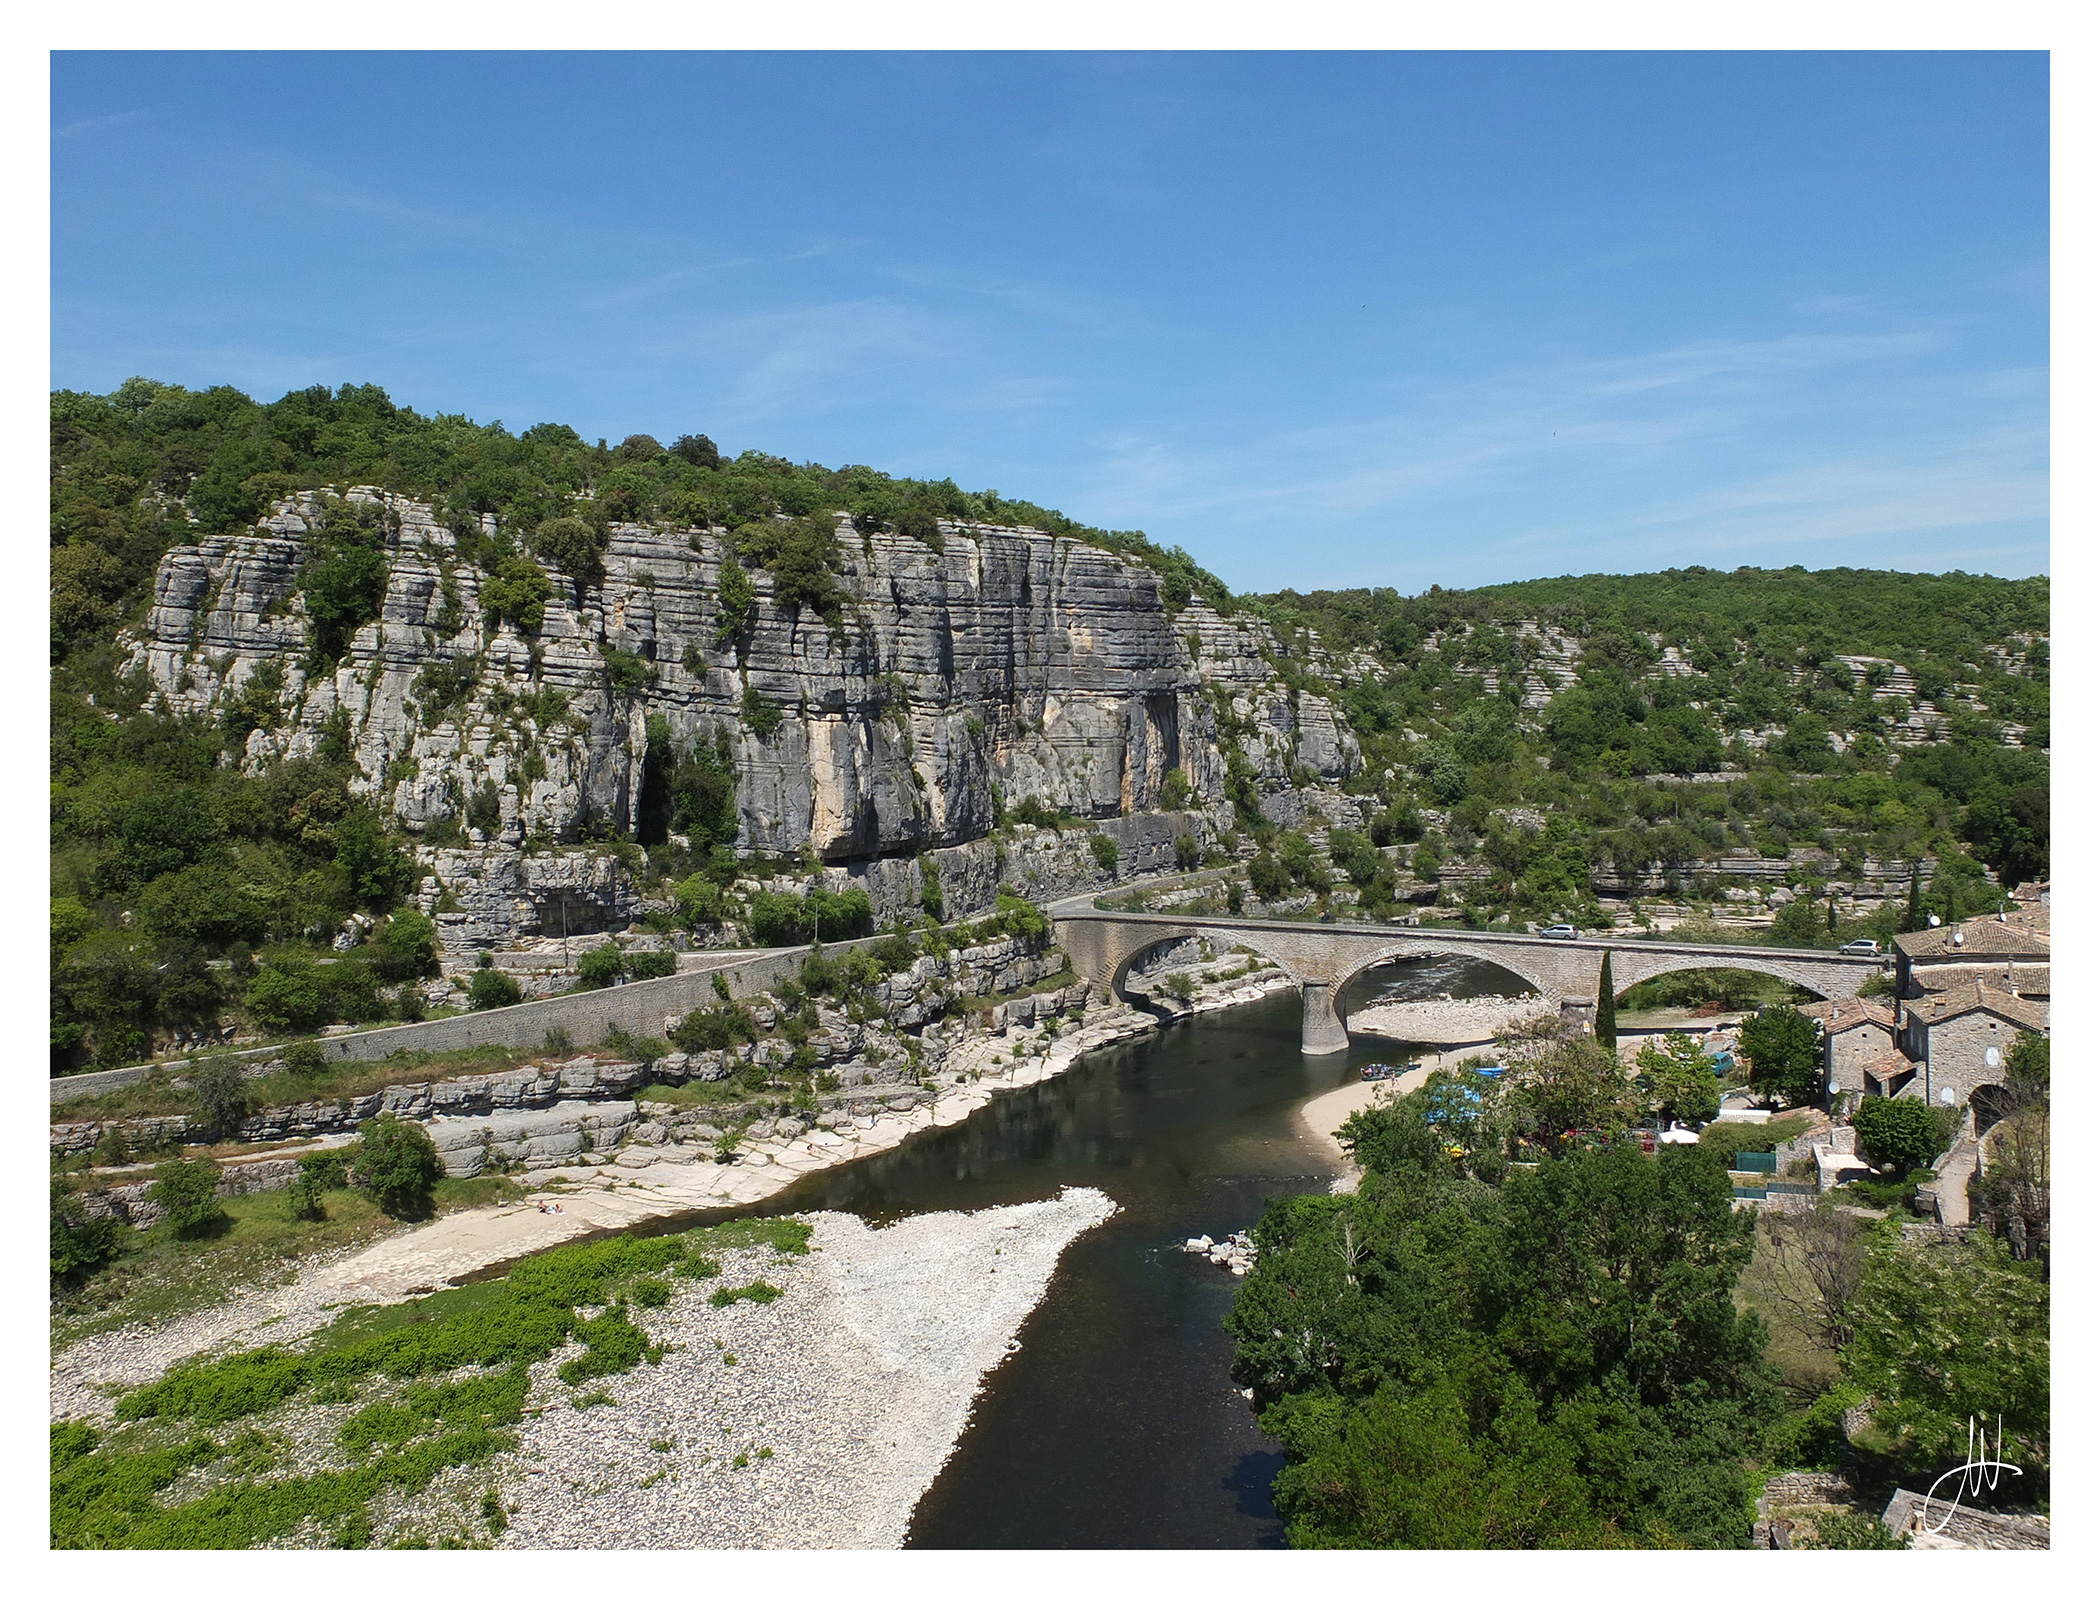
{"x": 1960, "y": 1039}
{"x": 2013, "y": 955}
{"x": 1964, "y": 995}
{"x": 1854, "y": 1033}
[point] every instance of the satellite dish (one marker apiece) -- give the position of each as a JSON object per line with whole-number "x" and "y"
{"x": 1932, "y": 921}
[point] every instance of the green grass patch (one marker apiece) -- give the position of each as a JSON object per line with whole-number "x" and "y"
{"x": 760, "y": 1293}
{"x": 685, "y": 1096}
{"x": 788, "y": 1236}
{"x": 442, "y": 1380}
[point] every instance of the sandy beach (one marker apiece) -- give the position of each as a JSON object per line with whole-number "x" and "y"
{"x": 1324, "y": 1114}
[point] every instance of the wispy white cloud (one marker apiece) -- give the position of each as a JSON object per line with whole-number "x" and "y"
{"x": 1854, "y": 444}
{"x": 82, "y": 126}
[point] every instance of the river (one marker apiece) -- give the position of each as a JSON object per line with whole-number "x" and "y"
{"x": 1115, "y": 1424}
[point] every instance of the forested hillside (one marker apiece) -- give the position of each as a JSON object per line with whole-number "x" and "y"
{"x": 1665, "y": 719}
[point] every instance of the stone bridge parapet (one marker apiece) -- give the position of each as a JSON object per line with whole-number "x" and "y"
{"x": 1323, "y": 957}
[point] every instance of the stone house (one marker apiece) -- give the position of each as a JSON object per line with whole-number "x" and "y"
{"x": 1854, "y": 1032}
{"x": 1998, "y": 950}
{"x": 1959, "y": 1039}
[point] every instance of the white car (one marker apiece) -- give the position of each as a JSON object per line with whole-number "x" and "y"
{"x": 1560, "y": 930}
{"x": 1860, "y": 947}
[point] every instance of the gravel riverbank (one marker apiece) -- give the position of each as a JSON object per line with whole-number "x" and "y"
{"x": 846, "y": 1395}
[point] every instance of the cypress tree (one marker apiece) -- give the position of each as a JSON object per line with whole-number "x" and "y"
{"x": 1607, "y": 1008}
{"x": 1914, "y": 913}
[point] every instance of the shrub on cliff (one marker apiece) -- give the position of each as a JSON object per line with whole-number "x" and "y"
{"x": 491, "y": 989}
{"x": 600, "y": 968}
{"x": 397, "y": 1164}
{"x": 79, "y": 1243}
{"x": 575, "y": 547}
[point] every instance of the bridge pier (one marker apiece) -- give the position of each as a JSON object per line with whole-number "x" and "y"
{"x": 1324, "y": 1032}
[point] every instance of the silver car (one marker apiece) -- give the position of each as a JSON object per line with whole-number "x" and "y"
{"x": 1860, "y": 947}
{"x": 1560, "y": 930}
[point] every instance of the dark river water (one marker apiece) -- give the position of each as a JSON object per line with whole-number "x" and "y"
{"x": 1116, "y": 1425}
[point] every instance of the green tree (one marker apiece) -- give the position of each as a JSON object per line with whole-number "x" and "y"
{"x": 491, "y": 989}
{"x": 1268, "y": 877}
{"x": 517, "y": 593}
{"x": 289, "y": 994}
{"x": 1902, "y": 1135}
{"x": 2027, "y": 1062}
{"x": 1785, "y": 1056}
{"x": 1678, "y": 1080}
{"x": 600, "y": 968}
{"x": 79, "y": 1243}
{"x": 405, "y": 946}
{"x": 344, "y": 583}
{"x": 375, "y": 869}
{"x": 1105, "y": 852}
{"x": 1607, "y": 1008}
{"x": 397, "y": 1163}
{"x": 576, "y": 548}
{"x": 1948, "y": 1332}
{"x": 189, "y": 1192}
{"x": 1562, "y": 1082}
{"x": 220, "y": 1093}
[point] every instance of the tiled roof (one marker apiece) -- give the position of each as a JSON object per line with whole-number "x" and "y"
{"x": 2024, "y": 978}
{"x": 1981, "y": 997}
{"x": 1890, "y": 1066}
{"x": 1980, "y": 937}
{"x": 1842, "y": 1016}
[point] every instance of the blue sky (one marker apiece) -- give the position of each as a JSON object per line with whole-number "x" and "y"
{"x": 1323, "y": 320}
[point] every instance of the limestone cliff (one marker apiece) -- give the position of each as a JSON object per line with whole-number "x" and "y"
{"x": 1009, "y": 658}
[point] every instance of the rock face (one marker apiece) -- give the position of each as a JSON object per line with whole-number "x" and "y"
{"x": 1009, "y": 658}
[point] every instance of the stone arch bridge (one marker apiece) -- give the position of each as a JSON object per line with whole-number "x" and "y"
{"x": 1324, "y": 957}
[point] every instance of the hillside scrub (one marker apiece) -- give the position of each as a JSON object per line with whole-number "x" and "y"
{"x": 1757, "y": 653}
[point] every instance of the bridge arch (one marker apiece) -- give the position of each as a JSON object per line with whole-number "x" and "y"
{"x": 1514, "y": 964}
{"x": 1632, "y": 966}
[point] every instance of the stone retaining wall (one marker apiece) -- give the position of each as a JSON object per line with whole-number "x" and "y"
{"x": 636, "y": 1008}
{"x": 839, "y": 1044}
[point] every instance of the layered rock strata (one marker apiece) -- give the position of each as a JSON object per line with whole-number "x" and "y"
{"x": 1008, "y": 659}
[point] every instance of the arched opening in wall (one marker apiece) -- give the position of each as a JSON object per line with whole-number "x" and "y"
{"x": 1699, "y": 993}
{"x": 1994, "y": 1102}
